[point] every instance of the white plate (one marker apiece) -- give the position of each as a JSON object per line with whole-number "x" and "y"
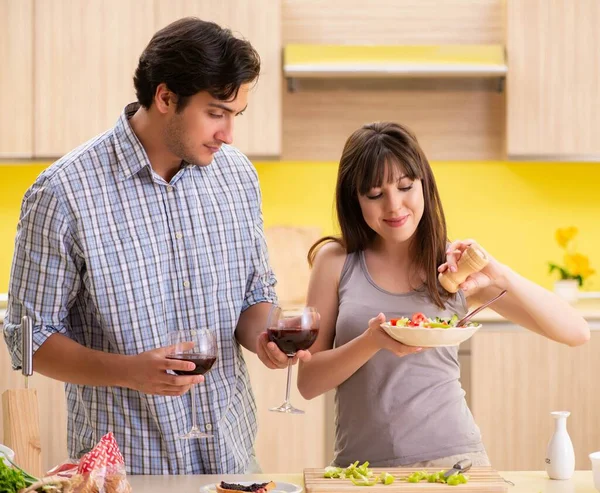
{"x": 6, "y": 452}
{"x": 423, "y": 337}
{"x": 280, "y": 487}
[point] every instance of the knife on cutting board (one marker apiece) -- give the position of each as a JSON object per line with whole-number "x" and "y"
{"x": 460, "y": 467}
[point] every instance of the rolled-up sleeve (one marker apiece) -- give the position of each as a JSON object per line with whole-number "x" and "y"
{"x": 260, "y": 287}
{"x": 44, "y": 278}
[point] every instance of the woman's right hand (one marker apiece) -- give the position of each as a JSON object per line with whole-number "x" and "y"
{"x": 383, "y": 341}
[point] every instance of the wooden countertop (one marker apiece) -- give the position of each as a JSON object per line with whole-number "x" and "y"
{"x": 525, "y": 482}
{"x": 589, "y": 308}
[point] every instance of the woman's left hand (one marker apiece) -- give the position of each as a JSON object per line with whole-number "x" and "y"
{"x": 493, "y": 274}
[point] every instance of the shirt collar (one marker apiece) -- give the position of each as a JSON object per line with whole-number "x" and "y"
{"x": 130, "y": 152}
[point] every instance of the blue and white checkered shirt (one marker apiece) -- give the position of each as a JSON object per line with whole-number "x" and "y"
{"x": 111, "y": 255}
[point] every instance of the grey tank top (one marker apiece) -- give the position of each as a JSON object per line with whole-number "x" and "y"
{"x": 398, "y": 410}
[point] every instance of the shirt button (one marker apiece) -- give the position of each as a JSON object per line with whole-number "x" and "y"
{"x": 208, "y": 427}
{"x": 178, "y": 235}
{"x": 169, "y": 188}
{"x": 186, "y": 284}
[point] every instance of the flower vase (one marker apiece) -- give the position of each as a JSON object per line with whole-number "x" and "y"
{"x": 567, "y": 289}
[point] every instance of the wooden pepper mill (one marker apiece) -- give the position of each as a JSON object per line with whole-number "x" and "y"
{"x": 472, "y": 260}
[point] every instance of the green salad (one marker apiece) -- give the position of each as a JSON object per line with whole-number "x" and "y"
{"x": 420, "y": 320}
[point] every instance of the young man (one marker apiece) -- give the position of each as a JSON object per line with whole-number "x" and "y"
{"x": 151, "y": 227}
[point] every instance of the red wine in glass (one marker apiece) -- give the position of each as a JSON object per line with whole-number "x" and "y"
{"x": 292, "y": 331}
{"x": 203, "y": 363}
{"x": 199, "y": 347}
{"x": 293, "y": 339}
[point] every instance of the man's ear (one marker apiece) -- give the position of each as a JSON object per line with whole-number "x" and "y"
{"x": 164, "y": 99}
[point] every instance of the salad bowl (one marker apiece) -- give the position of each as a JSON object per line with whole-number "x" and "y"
{"x": 424, "y": 332}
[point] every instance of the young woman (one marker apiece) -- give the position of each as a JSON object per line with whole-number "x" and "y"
{"x": 395, "y": 404}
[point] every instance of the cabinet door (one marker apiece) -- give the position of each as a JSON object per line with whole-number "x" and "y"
{"x": 517, "y": 379}
{"x": 85, "y": 57}
{"x": 553, "y": 83}
{"x": 51, "y": 403}
{"x": 286, "y": 442}
{"x": 16, "y": 78}
{"x": 258, "y": 130}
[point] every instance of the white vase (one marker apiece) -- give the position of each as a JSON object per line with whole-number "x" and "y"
{"x": 560, "y": 455}
{"x": 567, "y": 289}
{"x": 595, "y": 458}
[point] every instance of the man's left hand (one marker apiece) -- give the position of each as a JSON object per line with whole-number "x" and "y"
{"x": 273, "y": 357}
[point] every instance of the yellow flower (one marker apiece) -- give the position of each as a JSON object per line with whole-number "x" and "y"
{"x": 578, "y": 265}
{"x": 565, "y": 235}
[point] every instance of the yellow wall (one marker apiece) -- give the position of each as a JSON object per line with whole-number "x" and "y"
{"x": 512, "y": 209}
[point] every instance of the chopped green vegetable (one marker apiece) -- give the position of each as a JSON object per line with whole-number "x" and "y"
{"x": 365, "y": 481}
{"x": 437, "y": 477}
{"x": 457, "y": 479}
{"x": 417, "y": 476}
{"x": 386, "y": 478}
{"x": 360, "y": 475}
{"x": 333, "y": 472}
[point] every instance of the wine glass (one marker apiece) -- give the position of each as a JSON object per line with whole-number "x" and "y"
{"x": 292, "y": 330}
{"x": 199, "y": 347}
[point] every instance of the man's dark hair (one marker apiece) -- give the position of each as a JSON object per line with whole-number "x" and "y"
{"x": 191, "y": 55}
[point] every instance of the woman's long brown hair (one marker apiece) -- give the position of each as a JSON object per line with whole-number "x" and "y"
{"x": 362, "y": 167}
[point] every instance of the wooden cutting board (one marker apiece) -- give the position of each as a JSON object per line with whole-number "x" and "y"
{"x": 481, "y": 479}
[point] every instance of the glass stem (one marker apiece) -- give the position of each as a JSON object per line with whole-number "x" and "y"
{"x": 193, "y": 395}
{"x": 289, "y": 381}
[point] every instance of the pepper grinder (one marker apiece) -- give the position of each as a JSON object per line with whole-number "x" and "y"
{"x": 472, "y": 260}
{"x": 27, "y": 348}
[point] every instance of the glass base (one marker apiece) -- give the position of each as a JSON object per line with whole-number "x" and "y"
{"x": 286, "y": 407}
{"x": 195, "y": 433}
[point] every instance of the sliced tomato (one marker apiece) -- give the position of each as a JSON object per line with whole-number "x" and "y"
{"x": 418, "y": 318}
{"x": 393, "y": 321}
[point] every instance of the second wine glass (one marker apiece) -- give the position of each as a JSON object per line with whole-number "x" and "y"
{"x": 292, "y": 331}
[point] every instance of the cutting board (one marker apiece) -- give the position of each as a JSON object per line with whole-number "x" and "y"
{"x": 481, "y": 479}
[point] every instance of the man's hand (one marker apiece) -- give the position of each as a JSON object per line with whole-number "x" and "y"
{"x": 273, "y": 357}
{"x": 147, "y": 372}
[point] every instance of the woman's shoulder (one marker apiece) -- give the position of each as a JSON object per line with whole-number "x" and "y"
{"x": 330, "y": 257}
{"x": 330, "y": 251}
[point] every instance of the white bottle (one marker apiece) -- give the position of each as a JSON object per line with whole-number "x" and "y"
{"x": 560, "y": 455}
